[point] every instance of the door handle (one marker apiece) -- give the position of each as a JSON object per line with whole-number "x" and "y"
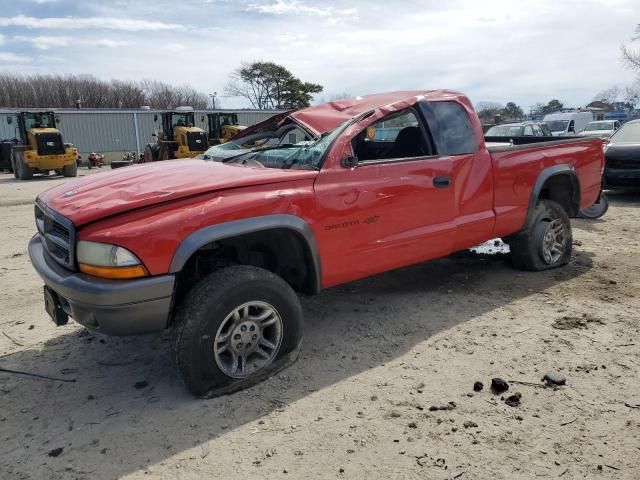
{"x": 442, "y": 182}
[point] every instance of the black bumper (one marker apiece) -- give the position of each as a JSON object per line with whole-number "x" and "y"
{"x": 621, "y": 177}
{"x": 113, "y": 307}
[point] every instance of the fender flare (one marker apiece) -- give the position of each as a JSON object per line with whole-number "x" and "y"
{"x": 220, "y": 231}
{"x": 545, "y": 175}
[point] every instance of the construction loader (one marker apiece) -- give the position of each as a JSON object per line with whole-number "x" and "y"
{"x": 178, "y": 137}
{"x": 38, "y": 147}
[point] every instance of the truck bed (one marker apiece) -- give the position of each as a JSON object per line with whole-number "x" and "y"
{"x": 518, "y": 161}
{"x": 502, "y": 144}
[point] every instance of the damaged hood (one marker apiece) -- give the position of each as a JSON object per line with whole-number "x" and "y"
{"x": 110, "y": 193}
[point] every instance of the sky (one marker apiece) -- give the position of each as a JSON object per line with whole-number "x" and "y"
{"x": 491, "y": 50}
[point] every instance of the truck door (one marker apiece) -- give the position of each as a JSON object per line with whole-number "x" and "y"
{"x": 393, "y": 209}
{"x": 460, "y": 144}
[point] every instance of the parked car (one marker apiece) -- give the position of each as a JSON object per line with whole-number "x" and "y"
{"x": 217, "y": 250}
{"x": 567, "y": 123}
{"x": 520, "y": 129}
{"x": 602, "y": 129}
{"x": 622, "y": 157}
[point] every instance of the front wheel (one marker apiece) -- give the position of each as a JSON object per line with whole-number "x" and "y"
{"x": 596, "y": 210}
{"x": 70, "y": 170}
{"x": 546, "y": 241}
{"x": 236, "y": 327}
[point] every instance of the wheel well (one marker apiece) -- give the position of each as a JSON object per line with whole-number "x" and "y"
{"x": 279, "y": 250}
{"x": 563, "y": 189}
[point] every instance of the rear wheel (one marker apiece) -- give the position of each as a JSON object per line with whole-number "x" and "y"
{"x": 546, "y": 242}
{"x": 237, "y": 326}
{"x": 70, "y": 170}
{"x": 596, "y": 210}
{"x": 25, "y": 172}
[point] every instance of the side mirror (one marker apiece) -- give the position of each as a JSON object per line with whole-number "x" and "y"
{"x": 349, "y": 162}
{"x": 155, "y": 118}
{"x": 154, "y": 134}
{"x": 202, "y": 118}
{"x": 57, "y": 119}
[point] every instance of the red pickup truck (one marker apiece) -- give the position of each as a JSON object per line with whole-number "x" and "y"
{"x": 217, "y": 249}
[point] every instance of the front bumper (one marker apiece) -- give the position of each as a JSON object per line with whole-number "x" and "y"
{"x": 621, "y": 177}
{"x": 113, "y": 307}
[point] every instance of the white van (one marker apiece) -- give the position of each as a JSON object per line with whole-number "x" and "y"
{"x": 567, "y": 123}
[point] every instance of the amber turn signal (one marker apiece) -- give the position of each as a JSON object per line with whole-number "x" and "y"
{"x": 117, "y": 273}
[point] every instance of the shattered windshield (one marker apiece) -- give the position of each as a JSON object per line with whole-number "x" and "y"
{"x": 306, "y": 155}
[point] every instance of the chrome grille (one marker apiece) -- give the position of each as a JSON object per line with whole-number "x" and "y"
{"x": 57, "y": 234}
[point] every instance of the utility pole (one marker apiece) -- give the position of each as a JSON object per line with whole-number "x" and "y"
{"x": 213, "y": 100}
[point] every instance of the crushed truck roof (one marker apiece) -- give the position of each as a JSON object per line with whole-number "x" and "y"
{"x": 325, "y": 117}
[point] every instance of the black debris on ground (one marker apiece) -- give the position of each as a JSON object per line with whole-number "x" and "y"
{"x": 513, "y": 400}
{"x": 55, "y": 452}
{"x": 499, "y": 385}
{"x": 478, "y": 386}
{"x": 448, "y": 406}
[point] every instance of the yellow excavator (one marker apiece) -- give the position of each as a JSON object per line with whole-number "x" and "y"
{"x": 222, "y": 127}
{"x": 38, "y": 147}
{"x": 178, "y": 137}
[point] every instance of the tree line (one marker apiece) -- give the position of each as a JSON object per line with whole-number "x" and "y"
{"x": 70, "y": 91}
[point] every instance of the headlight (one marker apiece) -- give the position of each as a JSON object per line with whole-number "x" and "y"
{"x": 108, "y": 261}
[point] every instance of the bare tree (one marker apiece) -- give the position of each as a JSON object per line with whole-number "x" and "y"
{"x": 487, "y": 111}
{"x": 64, "y": 91}
{"x": 631, "y": 94}
{"x": 609, "y": 95}
{"x": 630, "y": 56}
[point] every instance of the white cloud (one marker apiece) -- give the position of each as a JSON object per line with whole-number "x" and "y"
{"x": 1, "y": 39}
{"x": 43, "y": 42}
{"x": 8, "y": 57}
{"x": 296, "y": 7}
{"x": 107, "y": 43}
{"x": 82, "y": 23}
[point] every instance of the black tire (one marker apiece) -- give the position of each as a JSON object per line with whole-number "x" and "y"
{"x": 121, "y": 163}
{"x": 596, "y": 210}
{"x": 209, "y": 305}
{"x": 528, "y": 247}
{"x": 14, "y": 168}
{"x": 150, "y": 153}
{"x": 70, "y": 170}
{"x": 25, "y": 172}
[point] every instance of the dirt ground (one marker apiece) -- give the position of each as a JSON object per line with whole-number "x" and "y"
{"x": 379, "y": 356}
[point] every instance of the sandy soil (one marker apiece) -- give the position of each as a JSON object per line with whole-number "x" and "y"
{"x": 378, "y": 354}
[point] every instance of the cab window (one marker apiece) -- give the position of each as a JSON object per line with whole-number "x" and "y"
{"x": 396, "y": 136}
{"x": 528, "y": 131}
{"x": 451, "y": 127}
